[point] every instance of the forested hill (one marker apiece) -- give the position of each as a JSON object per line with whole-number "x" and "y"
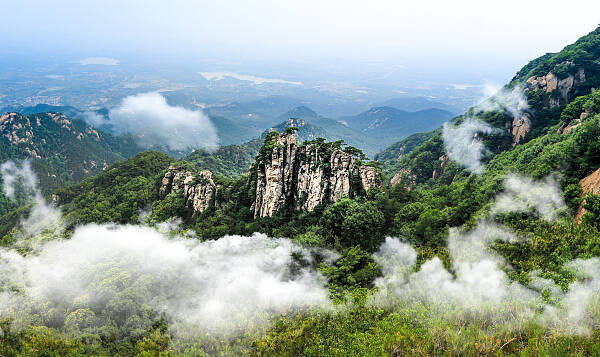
{"x": 388, "y": 124}
{"x": 62, "y": 150}
{"x": 524, "y": 109}
{"x": 483, "y": 242}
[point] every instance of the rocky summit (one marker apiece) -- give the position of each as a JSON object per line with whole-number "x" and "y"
{"x": 288, "y": 174}
{"x": 306, "y": 176}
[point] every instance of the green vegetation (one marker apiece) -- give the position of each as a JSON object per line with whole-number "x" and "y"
{"x": 118, "y": 194}
{"x": 421, "y": 213}
{"x": 62, "y": 151}
{"x": 230, "y": 161}
{"x": 390, "y": 156}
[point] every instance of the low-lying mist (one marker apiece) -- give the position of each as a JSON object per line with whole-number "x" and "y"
{"x": 463, "y": 142}
{"x": 112, "y": 272}
{"x": 120, "y": 274}
{"x": 476, "y": 287}
{"x": 152, "y": 120}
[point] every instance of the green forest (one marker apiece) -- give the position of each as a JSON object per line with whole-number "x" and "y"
{"x": 525, "y": 225}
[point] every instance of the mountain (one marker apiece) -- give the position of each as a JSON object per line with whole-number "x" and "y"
{"x": 69, "y": 111}
{"x": 415, "y": 104}
{"x": 311, "y": 126}
{"x": 497, "y": 251}
{"x": 306, "y": 131}
{"x": 260, "y": 113}
{"x": 547, "y": 84}
{"x": 229, "y": 161}
{"x": 62, "y": 150}
{"x": 233, "y": 131}
{"x": 393, "y": 153}
{"x": 387, "y": 124}
{"x": 302, "y": 112}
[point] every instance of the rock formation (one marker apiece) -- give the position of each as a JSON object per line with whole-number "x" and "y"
{"x": 567, "y": 128}
{"x": 274, "y": 177}
{"x": 406, "y": 176}
{"x": 437, "y": 172}
{"x": 301, "y": 177}
{"x": 199, "y": 191}
{"x": 305, "y": 176}
{"x": 589, "y": 184}
{"x": 550, "y": 83}
{"x": 520, "y": 127}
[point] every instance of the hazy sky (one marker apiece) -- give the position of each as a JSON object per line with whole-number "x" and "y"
{"x": 511, "y": 30}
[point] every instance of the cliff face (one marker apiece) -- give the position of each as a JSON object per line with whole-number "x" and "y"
{"x": 274, "y": 177}
{"x": 589, "y": 184}
{"x": 301, "y": 177}
{"x": 550, "y": 82}
{"x": 199, "y": 191}
{"x": 559, "y": 92}
{"x": 306, "y": 176}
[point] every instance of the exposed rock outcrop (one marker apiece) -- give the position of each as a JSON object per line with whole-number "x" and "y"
{"x": 589, "y": 184}
{"x": 310, "y": 188}
{"x": 520, "y": 127}
{"x": 550, "y": 83}
{"x": 404, "y": 176}
{"x": 342, "y": 165}
{"x": 559, "y": 92}
{"x": 369, "y": 177}
{"x": 274, "y": 177}
{"x": 574, "y": 124}
{"x": 303, "y": 177}
{"x": 199, "y": 191}
{"x": 437, "y": 172}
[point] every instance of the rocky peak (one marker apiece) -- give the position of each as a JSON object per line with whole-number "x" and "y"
{"x": 287, "y": 174}
{"x": 274, "y": 176}
{"x": 305, "y": 176}
{"x": 199, "y": 191}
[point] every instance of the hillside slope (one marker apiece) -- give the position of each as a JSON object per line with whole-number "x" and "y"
{"x": 62, "y": 150}
{"x": 388, "y": 124}
{"x": 451, "y": 258}
{"x": 546, "y": 84}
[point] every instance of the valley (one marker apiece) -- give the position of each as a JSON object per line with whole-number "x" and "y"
{"x": 236, "y": 209}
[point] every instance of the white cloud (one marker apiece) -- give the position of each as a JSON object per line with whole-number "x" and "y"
{"x": 42, "y": 215}
{"x": 15, "y": 177}
{"x": 511, "y": 100}
{"x": 462, "y": 142}
{"x": 477, "y": 288}
{"x": 463, "y": 145}
{"x": 156, "y": 123}
{"x": 222, "y": 286}
{"x": 523, "y": 194}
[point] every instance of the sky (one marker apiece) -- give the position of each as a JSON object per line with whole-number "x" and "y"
{"x": 484, "y": 36}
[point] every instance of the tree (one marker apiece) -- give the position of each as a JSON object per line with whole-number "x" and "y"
{"x": 348, "y": 223}
{"x": 592, "y": 205}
